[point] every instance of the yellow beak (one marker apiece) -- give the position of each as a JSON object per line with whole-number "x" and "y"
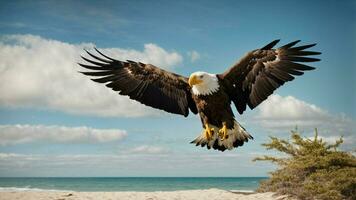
{"x": 193, "y": 80}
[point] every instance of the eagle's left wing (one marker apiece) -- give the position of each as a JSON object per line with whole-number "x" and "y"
{"x": 251, "y": 80}
{"x": 144, "y": 83}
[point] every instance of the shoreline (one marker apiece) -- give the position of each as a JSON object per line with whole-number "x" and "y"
{"x": 29, "y": 189}
{"x": 132, "y": 195}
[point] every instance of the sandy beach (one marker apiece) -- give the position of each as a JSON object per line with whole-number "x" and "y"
{"x": 171, "y": 195}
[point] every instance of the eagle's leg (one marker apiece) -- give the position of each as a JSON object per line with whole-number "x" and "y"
{"x": 223, "y": 132}
{"x": 208, "y": 131}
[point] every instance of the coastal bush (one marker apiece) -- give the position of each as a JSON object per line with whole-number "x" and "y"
{"x": 311, "y": 169}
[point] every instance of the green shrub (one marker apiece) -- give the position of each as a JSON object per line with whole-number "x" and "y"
{"x": 312, "y": 169}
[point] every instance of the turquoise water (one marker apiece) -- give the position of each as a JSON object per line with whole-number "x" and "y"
{"x": 130, "y": 183}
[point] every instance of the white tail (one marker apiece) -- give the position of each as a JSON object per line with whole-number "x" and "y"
{"x": 236, "y": 137}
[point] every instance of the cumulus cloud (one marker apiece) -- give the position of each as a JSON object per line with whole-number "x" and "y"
{"x": 194, "y": 56}
{"x": 289, "y": 108}
{"x": 18, "y": 134}
{"x": 124, "y": 164}
{"x": 279, "y": 114}
{"x": 42, "y": 73}
{"x": 152, "y": 54}
{"x": 146, "y": 149}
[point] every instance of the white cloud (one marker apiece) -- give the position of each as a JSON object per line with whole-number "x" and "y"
{"x": 280, "y": 114}
{"x": 145, "y": 149}
{"x": 42, "y": 73}
{"x": 17, "y": 134}
{"x": 289, "y": 108}
{"x": 194, "y": 56}
{"x": 152, "y": 54}
{"x": 129, "y": 164}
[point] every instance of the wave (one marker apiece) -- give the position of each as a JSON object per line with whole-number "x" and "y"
{"x": 242, "y": 191}
{"x": 28, "y": 188}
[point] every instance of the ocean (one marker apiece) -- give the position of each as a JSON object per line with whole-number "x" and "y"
{"x": 108, "y": 184}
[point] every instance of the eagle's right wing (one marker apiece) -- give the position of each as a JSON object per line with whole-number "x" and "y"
{"x": 145, "y": 83}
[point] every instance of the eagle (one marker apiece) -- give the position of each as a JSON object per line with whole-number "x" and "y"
{"x": 247, "y": 83}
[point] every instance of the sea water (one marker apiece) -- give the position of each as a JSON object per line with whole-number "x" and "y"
{"x": 109, "y": 184}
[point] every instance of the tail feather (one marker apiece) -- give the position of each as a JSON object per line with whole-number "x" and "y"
{"x": 236, "y": 137}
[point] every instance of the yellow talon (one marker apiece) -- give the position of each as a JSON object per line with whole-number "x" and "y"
{"x": 223, "y": 132}
{"x": 208, "y": 132}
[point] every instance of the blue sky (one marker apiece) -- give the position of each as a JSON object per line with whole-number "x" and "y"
{"x": 44, "y": 99}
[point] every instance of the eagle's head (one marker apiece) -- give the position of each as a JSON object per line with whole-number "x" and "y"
{"x": 203, "y": 83}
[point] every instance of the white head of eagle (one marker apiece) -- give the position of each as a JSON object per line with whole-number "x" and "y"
{"x": 203, "y": 83}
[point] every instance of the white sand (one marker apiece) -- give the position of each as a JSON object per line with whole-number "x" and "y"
{"x": 210, "y": 194}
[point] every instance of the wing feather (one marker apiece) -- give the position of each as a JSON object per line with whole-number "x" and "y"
{"x": 302, "y": 47}
{"x": 145, "y": 83}
{"x": 96, "y": 67}
{"x": 97, "y": 58}
{"x": 258, "y": 74}
{"x": 289, "y": 45}
{"x": 270, "y": 45}
{"x": 94, "y": 62}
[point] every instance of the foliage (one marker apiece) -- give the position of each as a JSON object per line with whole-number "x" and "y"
{"x": 312, "y": 169}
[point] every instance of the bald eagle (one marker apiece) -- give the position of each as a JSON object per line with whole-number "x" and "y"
{"x": 247, "y": 83}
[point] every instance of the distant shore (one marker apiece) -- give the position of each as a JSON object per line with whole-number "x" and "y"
{"x": 166, "y": 195}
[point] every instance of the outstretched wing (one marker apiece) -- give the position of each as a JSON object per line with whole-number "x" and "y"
{"x": 145, "y": 83}
{"x": 252, "y": 79}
